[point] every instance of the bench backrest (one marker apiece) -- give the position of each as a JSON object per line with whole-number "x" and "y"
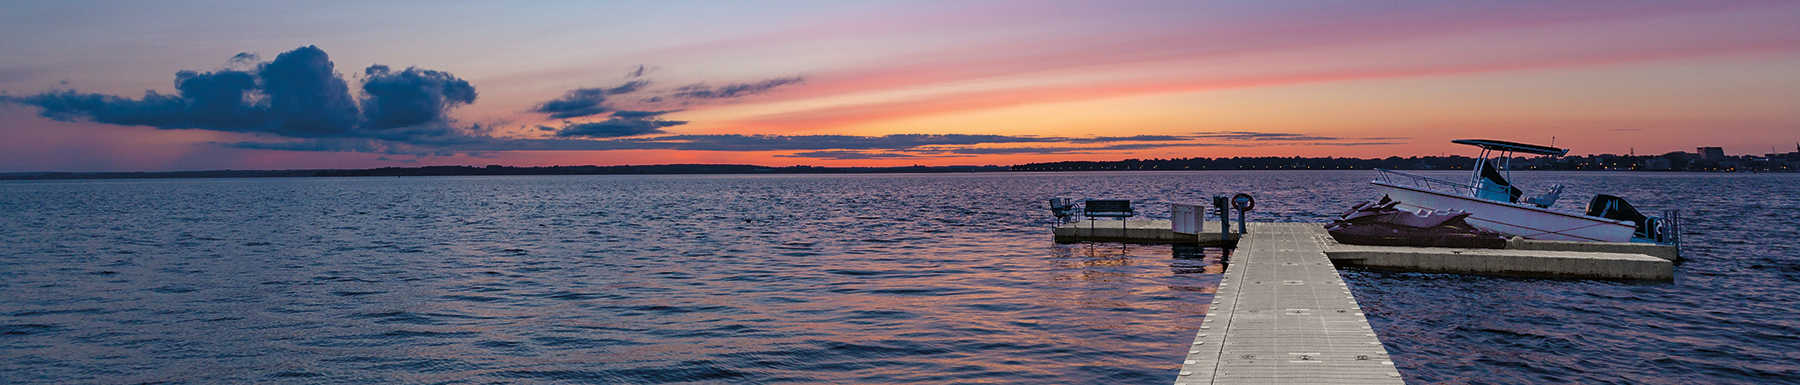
{"x": 1107, "y": 207}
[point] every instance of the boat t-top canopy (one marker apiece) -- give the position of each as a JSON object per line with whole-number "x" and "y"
{"x": 1501, "y": 145}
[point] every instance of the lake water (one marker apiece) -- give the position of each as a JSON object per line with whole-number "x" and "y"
{"x": 807, "y": 278}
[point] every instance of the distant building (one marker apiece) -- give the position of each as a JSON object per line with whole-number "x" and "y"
{"x": 1792, "y": 156}
{"x": 1711, "y": 153}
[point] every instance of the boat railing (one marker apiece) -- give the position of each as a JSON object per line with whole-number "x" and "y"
{"x": 1429, "y": 183}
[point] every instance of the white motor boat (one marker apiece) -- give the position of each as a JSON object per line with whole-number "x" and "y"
{"x": 1495, "y": 205}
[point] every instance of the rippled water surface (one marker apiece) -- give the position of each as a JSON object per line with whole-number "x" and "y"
{"x": 798, "y": 279}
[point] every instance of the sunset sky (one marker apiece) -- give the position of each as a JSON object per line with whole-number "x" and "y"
{"x": 838, "y": 83}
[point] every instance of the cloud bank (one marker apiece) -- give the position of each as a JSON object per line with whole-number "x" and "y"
{"x": 299, "y": 102}
{"x": 299, "y": 94}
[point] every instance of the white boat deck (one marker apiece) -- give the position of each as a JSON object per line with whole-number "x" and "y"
{"x": 1282, "y": 315}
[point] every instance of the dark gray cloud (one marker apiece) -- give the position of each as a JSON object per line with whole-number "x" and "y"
{"x": 298, "y": 94}
{"x": 1247, "y": 135}
{"x": 587, "y": 101}
{"x": 848, "y": 155}
{"x": 733, "y": 90}
{"x": 593, "y": 101}
{"x": 214, "y": 100}
{"x": 306, "y": 96}
{"x": 1295, "y": 138}
{"x": 628, "y": 87}
{"x": 411, "y": 97}
{"x": 576, "y": 103}
{"x": 244, "y": 58}
{"x": 1015, "y": 150}
{"x": 223, "y": 100}
{"x": 629, "y": 114}
{"x": 1133, "y": 138}
{"x": 616, "y": 128}
{"x": 154, "y": 109}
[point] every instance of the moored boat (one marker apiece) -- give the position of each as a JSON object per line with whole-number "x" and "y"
{"x": 1494, "y": 204}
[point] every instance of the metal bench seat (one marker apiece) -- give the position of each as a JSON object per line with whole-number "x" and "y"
{"x": 1107, "y": 208}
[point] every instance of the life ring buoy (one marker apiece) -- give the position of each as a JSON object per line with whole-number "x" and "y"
{"x": 1243, "y": 202}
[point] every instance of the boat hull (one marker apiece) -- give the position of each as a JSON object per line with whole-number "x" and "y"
{"x": 1512, "y": 219}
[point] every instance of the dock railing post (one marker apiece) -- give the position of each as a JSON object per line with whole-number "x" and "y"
{"x": 1243, "y": 203}
{"x": 1241, "y": 226}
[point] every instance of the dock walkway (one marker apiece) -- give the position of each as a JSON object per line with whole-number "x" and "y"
{"x": 1282, "y": 315}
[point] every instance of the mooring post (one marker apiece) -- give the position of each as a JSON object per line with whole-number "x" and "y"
{"x": 1219, "y": 206}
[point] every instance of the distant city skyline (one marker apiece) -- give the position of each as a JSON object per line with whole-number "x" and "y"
{"x": 347, "y": 85}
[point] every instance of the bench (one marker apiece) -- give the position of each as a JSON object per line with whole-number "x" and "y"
{"x": 1107, "y": 208}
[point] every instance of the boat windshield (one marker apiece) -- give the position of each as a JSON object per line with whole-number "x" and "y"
{"x": 1482, "y": 189}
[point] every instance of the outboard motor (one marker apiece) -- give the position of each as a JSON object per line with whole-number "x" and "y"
{"x": 1653, "y": 229}
{"x": 1612, "y": 207}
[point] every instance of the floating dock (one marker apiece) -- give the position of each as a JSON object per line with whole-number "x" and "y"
{"x": 1282, "y": 315}
{"x": 1506, "y": 262}
{"x": 1521, "y": 257}
{"x": 1134, "y": 231}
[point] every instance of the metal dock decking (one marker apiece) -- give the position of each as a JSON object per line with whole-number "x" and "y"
{"x": 1282, "y": 315}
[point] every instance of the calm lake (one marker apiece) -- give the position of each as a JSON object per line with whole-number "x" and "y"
{"x": 949, "y": 278}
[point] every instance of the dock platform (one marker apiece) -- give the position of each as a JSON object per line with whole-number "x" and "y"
{"x": 1521, "y": 257}
{"x": 1282, "y": 315}
{"x": 1506, "y": 262}
{"x": 1136, "y": 230}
